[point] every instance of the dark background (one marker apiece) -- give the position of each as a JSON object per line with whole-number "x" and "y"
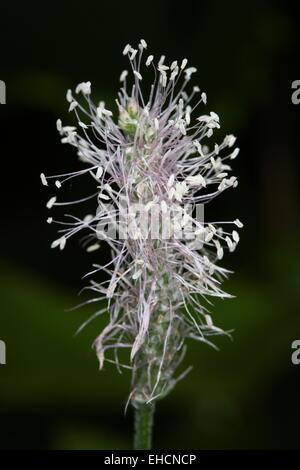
{"x": 51, "y": 392}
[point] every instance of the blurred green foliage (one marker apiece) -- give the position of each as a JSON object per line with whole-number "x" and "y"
{"x": 228, "y": 400}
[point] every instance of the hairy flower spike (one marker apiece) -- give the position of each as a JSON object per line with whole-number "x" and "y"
{"x": 156, "y": 155}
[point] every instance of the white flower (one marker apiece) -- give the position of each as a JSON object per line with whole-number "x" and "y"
{"x": 196, "y": 180}
{"x": 51, "y": 202}
{"x": 230, "y": 140}
{"x": 123, "y": 75}
{"x": 149, "y": 60}
{"x": 180, "y": 190}
{"x": 43, "y": 179}
{"x": 61, "y": 242}
{"x": 156, "y": 154}
{"x": 204, "y": 97}
{"x": 84, "y": 88}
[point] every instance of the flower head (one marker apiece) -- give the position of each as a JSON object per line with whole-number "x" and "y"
{"x": 155, "y": 156}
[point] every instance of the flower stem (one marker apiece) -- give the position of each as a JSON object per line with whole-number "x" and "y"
{"x": 143, "y": 425}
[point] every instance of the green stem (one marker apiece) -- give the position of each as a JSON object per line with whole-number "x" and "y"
{"x": 143, "y": 424}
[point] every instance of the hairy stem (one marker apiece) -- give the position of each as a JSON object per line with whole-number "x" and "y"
{"x": 143, "y": 425}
